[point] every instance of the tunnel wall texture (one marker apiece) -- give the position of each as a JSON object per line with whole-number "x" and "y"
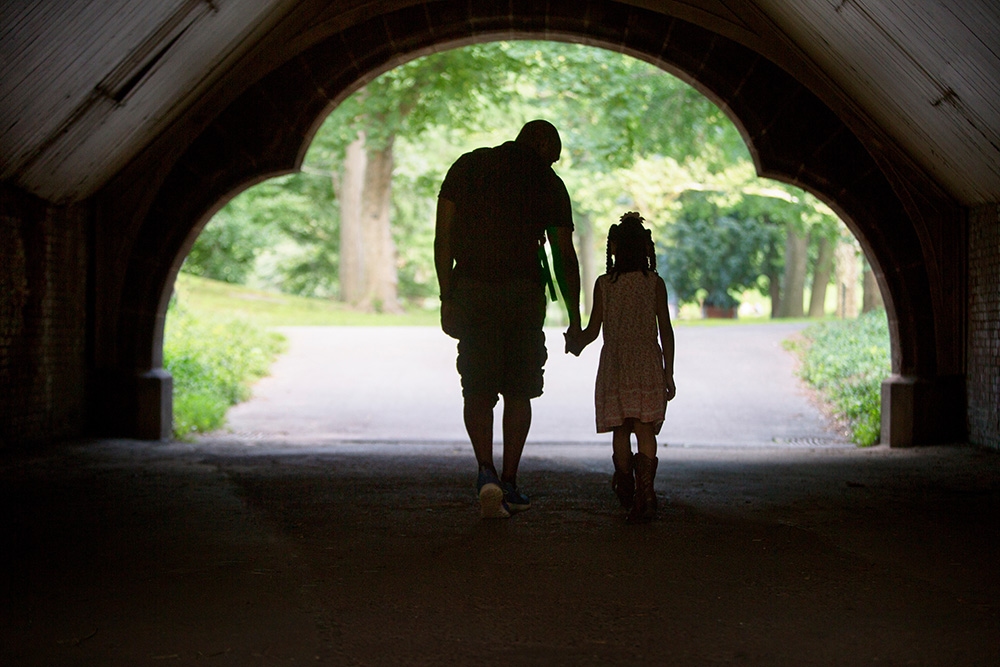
{"x": 43, "y": 297}
{"x": 984, "y": 326}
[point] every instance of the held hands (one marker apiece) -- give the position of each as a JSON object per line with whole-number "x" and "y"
{"x": 574, "y": 340}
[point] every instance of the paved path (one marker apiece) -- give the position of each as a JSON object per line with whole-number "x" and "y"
{"x": 735, "y": 384}
{"x": 138, "y": 553}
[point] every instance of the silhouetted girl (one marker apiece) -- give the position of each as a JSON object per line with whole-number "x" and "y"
{"x": 635, "y": 378}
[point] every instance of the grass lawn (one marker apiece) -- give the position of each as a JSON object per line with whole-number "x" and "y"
{"x": 274, "y": 309}
{"x": 270, "y": 309}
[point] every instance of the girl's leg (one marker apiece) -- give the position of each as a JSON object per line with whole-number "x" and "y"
{"x": 644, "y": 508}
{"x": 645, "y": 435}
{"x": 621, "y": 445}
{"x": 623, "y": 481}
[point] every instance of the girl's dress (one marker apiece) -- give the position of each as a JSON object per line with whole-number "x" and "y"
{"x": 630, "y": 381}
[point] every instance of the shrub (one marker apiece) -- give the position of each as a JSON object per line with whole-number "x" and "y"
{"x": 713, "y": 251}
{"x": 847, "y": 361}
{"x": 213, "y": 361}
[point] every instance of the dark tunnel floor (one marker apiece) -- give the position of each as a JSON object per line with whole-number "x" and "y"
{"x": 122, "y": 553}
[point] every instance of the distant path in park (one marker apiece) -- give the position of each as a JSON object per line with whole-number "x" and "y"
{"x": 736, "y": 386}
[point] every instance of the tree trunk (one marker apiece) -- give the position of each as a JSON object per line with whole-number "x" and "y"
{"x": 773, "y": 279}
{"x": 774, "y": 290}
{"x": 871, "y": 297}
{"x": 794, "y": 284}
{"x": 847, "y": 281}
{"x": 352, "y": 252}
{"x": 822, "y": 273}
{"x": 381, "y": 279}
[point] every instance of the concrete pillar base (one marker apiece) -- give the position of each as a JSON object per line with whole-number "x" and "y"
{"x": 139, "y": 406}
{"x": 922, "y": 411}
{"x": 154, "y": 415}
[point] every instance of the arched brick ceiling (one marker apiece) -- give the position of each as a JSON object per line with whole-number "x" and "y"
{"x": 85, "y": 85}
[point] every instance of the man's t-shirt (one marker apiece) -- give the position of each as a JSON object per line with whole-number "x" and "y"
{"x": 504, "y": 199}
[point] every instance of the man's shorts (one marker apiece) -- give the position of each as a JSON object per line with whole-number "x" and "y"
{"x": 501, "y": 346}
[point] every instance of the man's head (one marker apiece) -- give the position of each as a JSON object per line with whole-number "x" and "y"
{"x": 542, "y": 137}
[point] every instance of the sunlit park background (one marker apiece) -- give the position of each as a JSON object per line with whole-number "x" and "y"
{"x": 348, "y": 239}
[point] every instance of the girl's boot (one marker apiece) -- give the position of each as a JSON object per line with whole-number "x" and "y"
{"x": 623, "y": 483}
{"x": 644, "y": 508}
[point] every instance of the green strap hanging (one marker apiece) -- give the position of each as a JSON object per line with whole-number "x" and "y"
{"x": 546, "y": 273}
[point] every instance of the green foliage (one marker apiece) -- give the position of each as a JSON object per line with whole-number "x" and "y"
{"x": 287, "y": 223}
{"x": 451, "y": 88}
{"x": 226, "y": 249}
{"x": 634, "y": 138}
{"x": 212, "y": 360}
{"x": 197, "y": 411}
{"x": 398, "y": 108}
{"x": 416, "y": 180}
{"x": 712, "y": 253}
{"x": 613, "y": 109}
{"x": 847, "y": 361}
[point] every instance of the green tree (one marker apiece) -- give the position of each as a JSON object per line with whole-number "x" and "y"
{"x": 712, "y": 254}
{"x": 802, "y": 234}
{"x": 226, "y": 249}
{"x": 357, "y": 142}
{"x": 634, "y": 138}
{"x": 289, "y": 207}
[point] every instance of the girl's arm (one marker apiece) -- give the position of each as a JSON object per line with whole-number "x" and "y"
{"x": 587, "y": 336}
{"x": 666, "y": 337}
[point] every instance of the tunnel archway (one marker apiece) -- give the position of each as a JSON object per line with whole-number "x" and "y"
{"x": 793, "y": 136}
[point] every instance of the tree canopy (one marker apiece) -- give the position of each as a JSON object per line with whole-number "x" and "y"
{"x": 634, "y": 137}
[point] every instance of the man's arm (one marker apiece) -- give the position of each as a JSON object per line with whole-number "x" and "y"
{"x": 444, "y": 263}
{"x": 575, "y": 344}
{"x": 444, "y": 260}
{"x": 567, "y": 270}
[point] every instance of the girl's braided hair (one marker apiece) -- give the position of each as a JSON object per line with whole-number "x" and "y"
{"x": 633, "y": 243}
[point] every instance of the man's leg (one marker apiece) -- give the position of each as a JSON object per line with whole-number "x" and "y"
{"x": 524, "y": 356}
{"x": 516, "y": 423}
{"x": 478, "y": 413}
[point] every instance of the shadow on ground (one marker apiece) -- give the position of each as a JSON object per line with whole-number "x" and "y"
{"x": 122, "y": 553}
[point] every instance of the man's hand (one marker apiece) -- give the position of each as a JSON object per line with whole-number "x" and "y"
{"x": 450, "y": 319}
{"x": 573, "y": 343}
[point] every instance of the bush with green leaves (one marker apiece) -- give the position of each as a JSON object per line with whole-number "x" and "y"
{"x": 847, "y": 361}
{"x": 213, "y": 361}
{"x": 712, "y": 253}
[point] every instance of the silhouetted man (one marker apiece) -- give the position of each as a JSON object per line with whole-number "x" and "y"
{"x": 495, "y": 208}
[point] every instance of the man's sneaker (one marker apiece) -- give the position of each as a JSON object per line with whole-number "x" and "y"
{"x": 491, "y": 496}
{"x": 516, "y": 501}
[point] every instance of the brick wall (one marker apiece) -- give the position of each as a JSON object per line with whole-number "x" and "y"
{"x": 984, "y": 326}
{"x": 43, "y": 278}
